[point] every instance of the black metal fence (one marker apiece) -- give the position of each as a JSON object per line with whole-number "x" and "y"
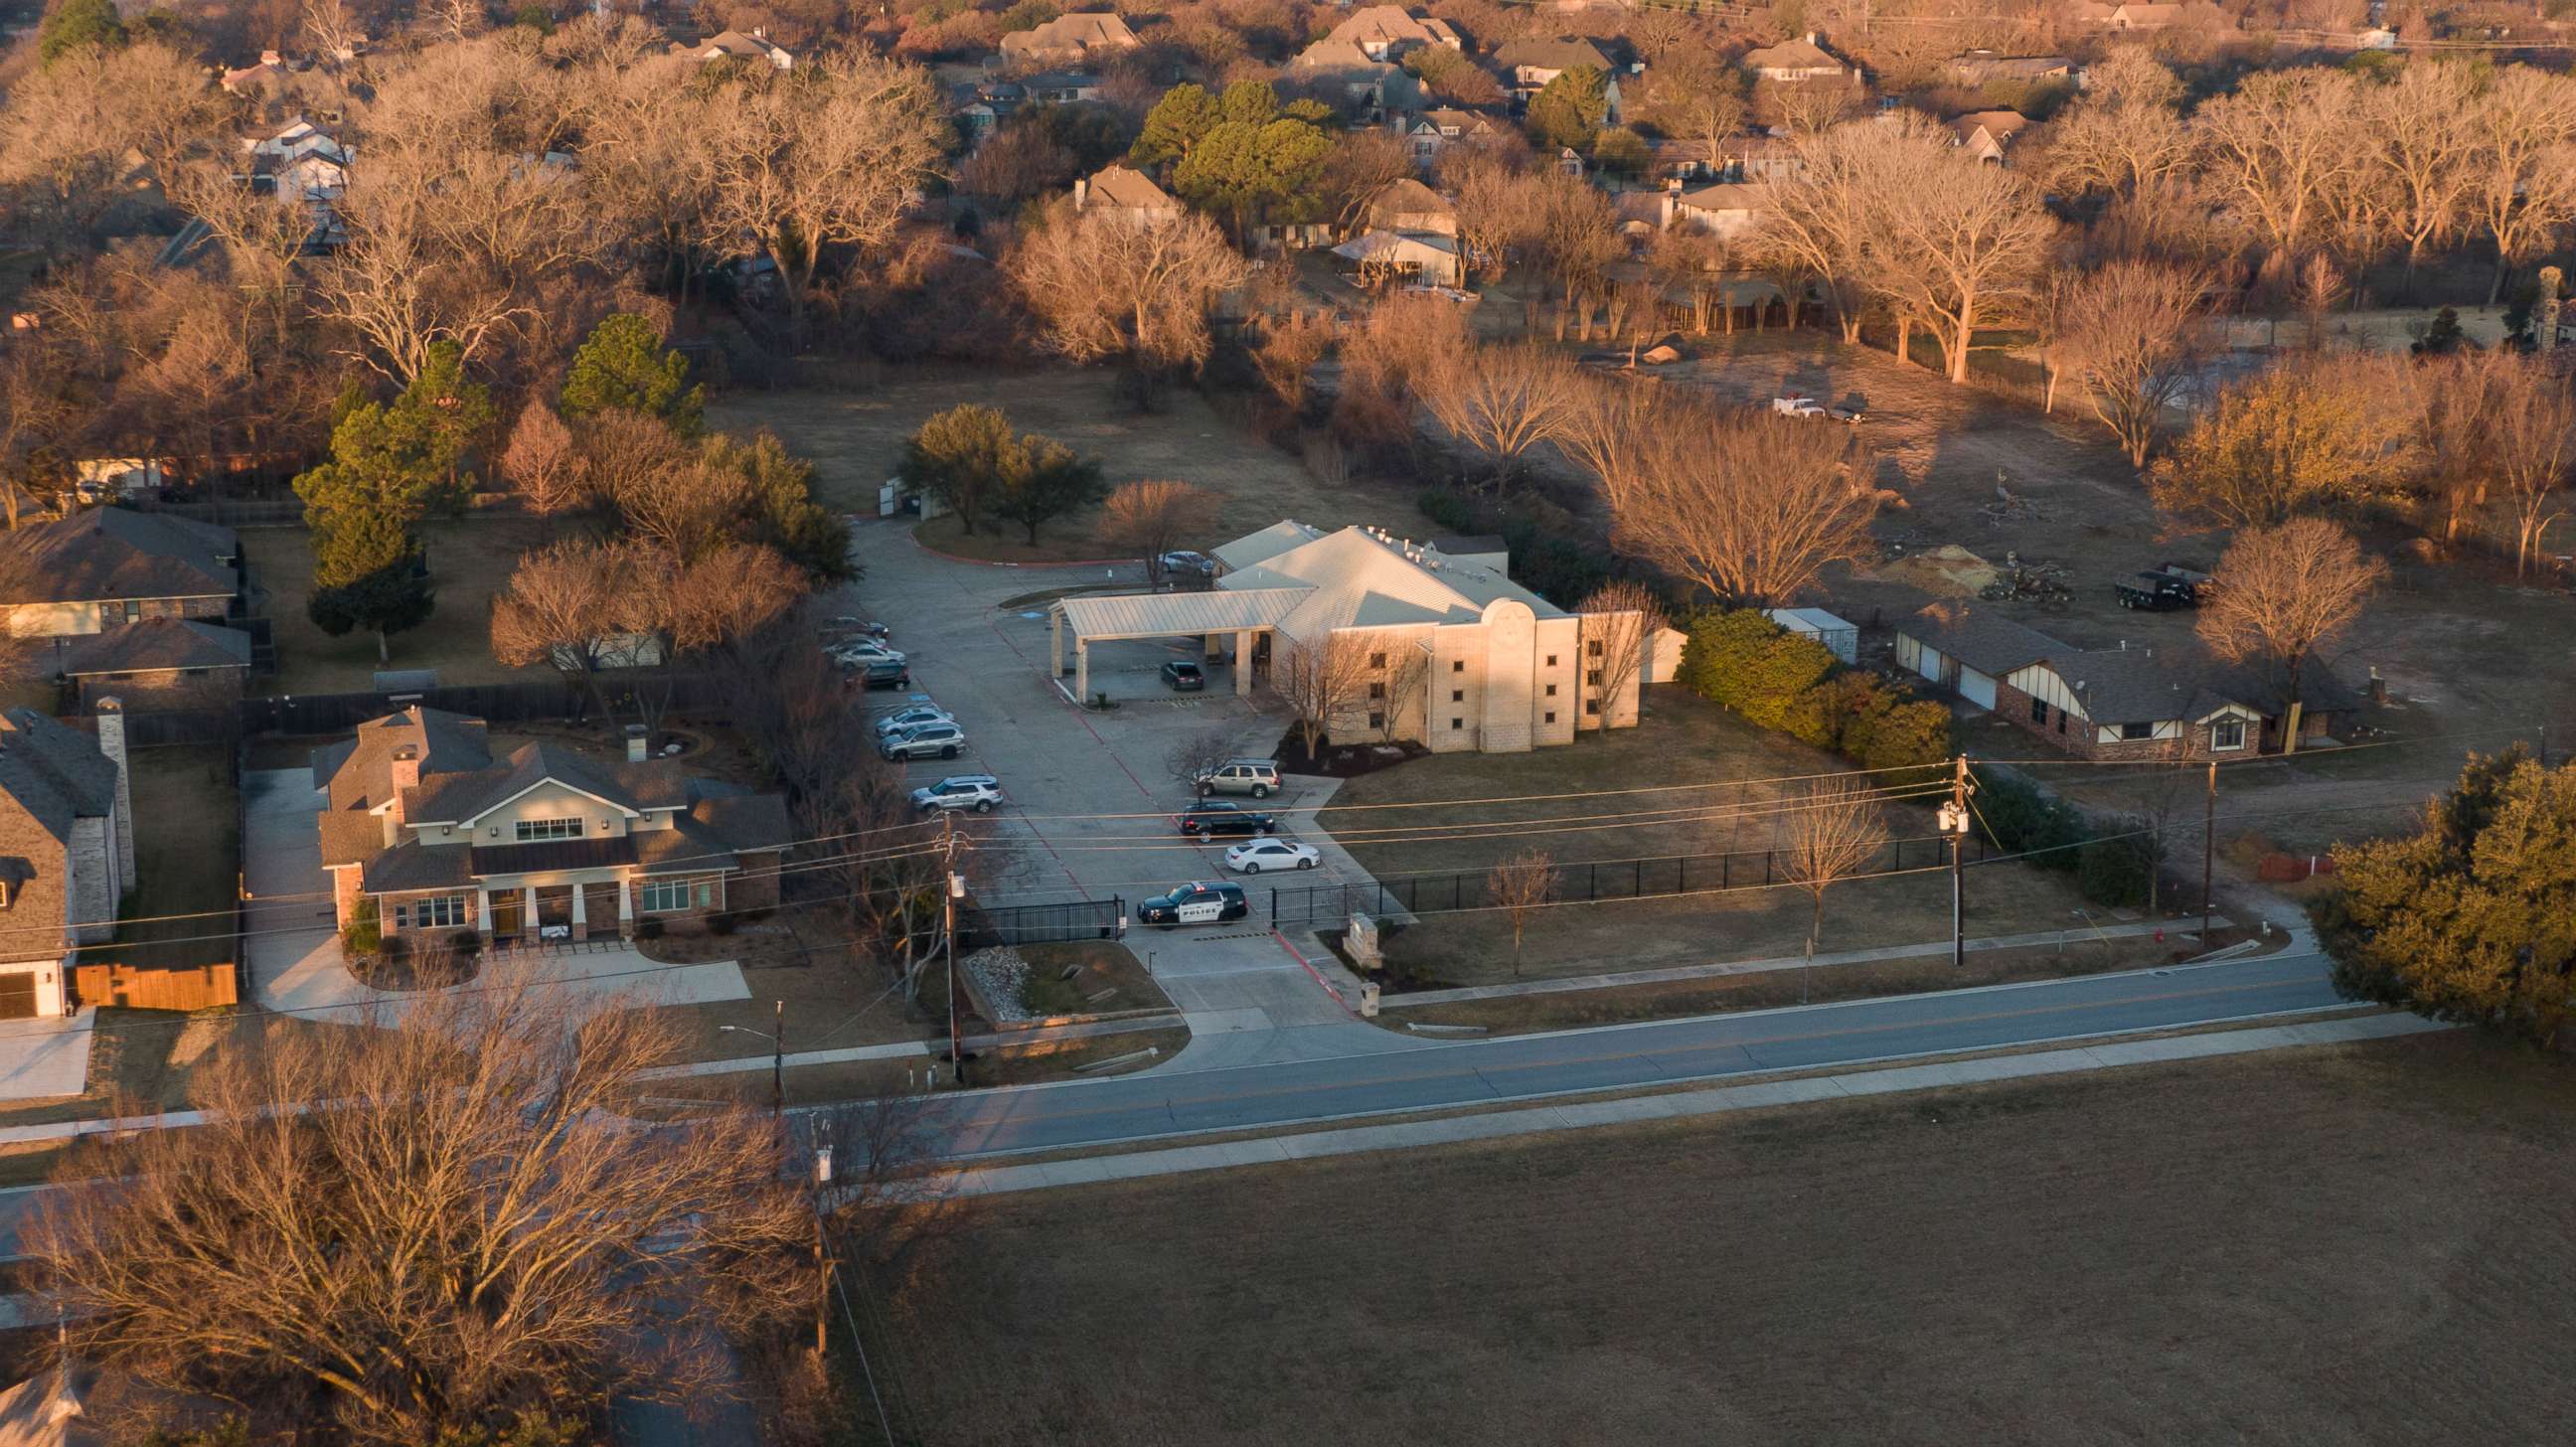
{"x": 1578, "y": 882}
{"x": 1039, "y": 924}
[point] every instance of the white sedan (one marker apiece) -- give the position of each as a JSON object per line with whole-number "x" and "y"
{"x": 1255, "y": 855}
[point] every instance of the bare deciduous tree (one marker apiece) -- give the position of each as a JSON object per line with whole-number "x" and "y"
{"x": 1749, "y": 507}
{"x": 1619, "y": 620}
{"x": 1956, "y": 243}
{"x": 2136, "y": 335}
{"x": 417, "y": 1226}
{"x": 1496, "y": 205}
{"x": 543, "y": 464}
{"x": 2534, "y": 431}
{"x": 1322, "y": 683}
{"x": 1501, "y": 401}
{"x": 1289, "y": 349}
{"x": 1519, "y": 886}
{"x": 1106, "y": 285}
{"x": 1830, "y": 834}
{"x": 2424, "y": 133}
{"x": 2525, "y": 165}
{"x": 2285, "y": 592}
{"x": 2276, "y": 146}
{"x": 1192, "y": 755}
{"x": 569, "y": 607}
{"x": 1154, "y": 517}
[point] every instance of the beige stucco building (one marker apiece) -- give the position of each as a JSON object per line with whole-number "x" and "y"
{"x": 1443, "y": 647}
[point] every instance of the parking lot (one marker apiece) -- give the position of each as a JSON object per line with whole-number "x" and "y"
{"x": 1091, "y": 793}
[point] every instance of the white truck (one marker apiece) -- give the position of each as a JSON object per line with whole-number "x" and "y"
{"x": 1797, "y": 407}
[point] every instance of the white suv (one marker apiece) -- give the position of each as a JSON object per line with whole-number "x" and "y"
{"x": 922, "y": 741}
{"x": 979, "y": 792}
{"x": 920, "y": 713}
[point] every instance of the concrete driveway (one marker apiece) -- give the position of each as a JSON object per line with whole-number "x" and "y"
{"x": 294, "y": 951}
{"x": 40, "y": 1059}
{"x": 1091, "y": 793}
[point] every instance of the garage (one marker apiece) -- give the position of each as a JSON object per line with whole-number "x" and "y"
{"x": 18, "y": 995}
{"x": 1976, "y": 688}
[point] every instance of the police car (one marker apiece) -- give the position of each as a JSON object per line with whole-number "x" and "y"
{"x": 1195, "y": 903}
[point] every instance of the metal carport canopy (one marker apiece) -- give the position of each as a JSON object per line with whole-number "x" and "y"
{"x": 1174, "y": 615}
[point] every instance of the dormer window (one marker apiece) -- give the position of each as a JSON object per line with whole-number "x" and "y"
{"x": 539, "y": 831}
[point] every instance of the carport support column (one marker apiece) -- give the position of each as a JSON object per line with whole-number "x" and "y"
{"x": 1243, "y": 663}
{"x": 1055, "y": 643}
{"x": 1082, "y": 670}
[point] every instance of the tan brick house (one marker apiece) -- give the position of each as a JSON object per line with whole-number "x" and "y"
{"x": 424, "y": 825}
{"x": 2117, "y": 703}
{"x": 66, "y": 851}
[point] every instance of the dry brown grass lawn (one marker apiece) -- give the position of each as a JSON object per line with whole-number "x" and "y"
{"x": 1683, "y": 741}
{"x": 469, "y": 561}
{"x": 856, "y": 438}
{"x": 2368, "y": 1244}
{"x": 192, "y": 871}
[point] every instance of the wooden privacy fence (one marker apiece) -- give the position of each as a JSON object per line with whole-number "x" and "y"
{"x": 197, "y": 987}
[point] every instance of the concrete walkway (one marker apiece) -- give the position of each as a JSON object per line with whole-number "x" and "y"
{"x": 2071, "y": 939}
{"x": 1682, "y": 1105}
{"x": 48, "y": 1057}
{"x": 913, "y": 1049}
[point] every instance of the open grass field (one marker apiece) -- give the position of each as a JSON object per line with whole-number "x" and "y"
{"x": 2367, "y": 1244}
{"x": 1686, "y": 759}
{"x": 470, "y": 561}
{"x": 856, "y": 439}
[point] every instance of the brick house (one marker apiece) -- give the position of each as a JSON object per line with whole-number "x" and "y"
{"x": 2116, "y": 703}
{"x": 66, "y": 851}
{"x": 424, "y": 824}
{"x": 106, "y": 566}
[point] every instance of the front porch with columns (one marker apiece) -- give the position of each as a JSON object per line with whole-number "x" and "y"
{"x": 529, "y": 901}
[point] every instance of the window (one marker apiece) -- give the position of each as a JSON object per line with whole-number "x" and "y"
{"x": 1593, "y": 647}
{"x": 1377, "y": 691}
{"x": 533, "y": 831}
{"x": 1593, "y": 677}
{"x": 1592, "y": 707}
{"x": 2038, "y": 711}
{"x": 1551, "y": 715}
{"x": 1456, "y": 724}
{"x": 133, "y": 610}
{"x": 1377, "y": 660}
{"x": 1457, "y": 695}
{"x": 1551, "y": 660}
{"x": 449, "y": 911}
{"x": 2132, "y": 731}
{"x": 1377, "y": 720}
{"x": 1457, "y": 665}
{"x": 2227, "y": 733}
{"x": 1551, "y": 690}
{"x": 661, "y": 896}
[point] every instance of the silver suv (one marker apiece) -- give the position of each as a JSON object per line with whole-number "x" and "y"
{"x": 979, "y": 792}
{"x": 923, "y": 741}
{"x": 1257, "y": 777}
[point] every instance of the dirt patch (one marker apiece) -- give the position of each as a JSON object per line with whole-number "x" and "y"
{"x": 2284, "y": 1238}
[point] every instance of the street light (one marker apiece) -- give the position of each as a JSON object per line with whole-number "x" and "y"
{"x": 777, "y": 1062}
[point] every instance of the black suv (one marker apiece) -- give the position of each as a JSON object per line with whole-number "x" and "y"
{"x": 1195, "y": 903}
{"x": 886, "y": 674}
{"x": 1183, "y": 677}
{"x": 1210, "y": 819}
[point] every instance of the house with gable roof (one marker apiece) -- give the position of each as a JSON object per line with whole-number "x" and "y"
{"x": 66, "y": 852}
{"x": 424, "y": 828}
{"x": 1083, "y": 36}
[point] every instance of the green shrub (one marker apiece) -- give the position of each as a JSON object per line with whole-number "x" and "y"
{"x": 1907, "y": 733}
{"x": 2019, "y": 819}
{"x": 2117, "y": 872}
{"x": 364, "y": 934}
{"x": 1739, "y": 659}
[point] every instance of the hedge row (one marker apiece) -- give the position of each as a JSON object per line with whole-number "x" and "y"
{"x": 1789, "y": 682}
{"x": 2113, "y": 862}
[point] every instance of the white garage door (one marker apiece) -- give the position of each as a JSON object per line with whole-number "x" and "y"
{"x": 1976, "y": 688}
{"x": 1927, "y": 661}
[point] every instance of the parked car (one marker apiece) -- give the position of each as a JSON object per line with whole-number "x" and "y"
{"x": 979, "y": 792}
{"x": 1797, "y": 407}
{"x": 1257, "y": 777}
{"x": 1195, "y": 903}
{"x": 1852, "y": 415}
{"x": 888, "y": 674}
{"x": 1185, "y": 563}
{"x": 1210, "y": 819}
{"x": 1182, "y": 677}
{"x": 852, "y": 623}
{"x": 922, "y": 741}
{"x": 913, "y": 716}
{"x": 1255, "y": 855}
{"x": 864, "y": 650}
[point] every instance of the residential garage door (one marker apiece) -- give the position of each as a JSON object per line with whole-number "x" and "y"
{"x": 18, "y": 996}
{"x": 1925, "y": 661}
{"x": 1977, "y": 688}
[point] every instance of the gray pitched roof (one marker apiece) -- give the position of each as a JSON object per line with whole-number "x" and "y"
{"x": 105, "y": 553}
{"x": 1986, "y": 642}
{"x": 2150, "y": 685}
{"x": 154, "y": 644}
{"x": 1564, "y": 54}
{"x": 358, "y": 774}
{"x": 53, "y": 771}
{"x": 653, "y": 784}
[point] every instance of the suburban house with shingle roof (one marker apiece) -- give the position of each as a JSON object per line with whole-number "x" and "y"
{"x": 66, "y": 851}
{"x": 736, "y": 45}
{"x": 424, "y": 825}
{"x": 1459, "y": 657}
{"x": 1528, "y": 65}
{"x": 108, "y": 583}
{"x": 1080, "y": 36}
{"x": 1986, "y": 134}
{"x": 1794, "y": 60}
{"x": 1125, "y": 191}
{"x": 155, "y": 655}
{"x": 1386, "y": 32}
{"x": 2116, "y": 703}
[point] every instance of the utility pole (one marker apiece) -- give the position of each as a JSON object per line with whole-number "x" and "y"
{"x": 951, "y": 888}
{"x": 778, "y": 1066}
{"x": 822, "y": 1261}
{"x": 1954, "y": 822}
{"x": 2208, "y": 849}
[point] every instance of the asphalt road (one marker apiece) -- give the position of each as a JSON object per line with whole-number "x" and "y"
{"x": 1478, "y": 1072}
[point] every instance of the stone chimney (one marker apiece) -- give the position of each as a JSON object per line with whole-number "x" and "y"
{"x": 404, "y": 768}
{"x": 637, "y": 737}
{"x": 1081, "y": 190}
{"x": 111, "y": 742}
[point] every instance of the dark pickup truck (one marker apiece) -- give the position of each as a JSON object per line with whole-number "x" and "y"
{"x": 1212, "y": 819}
{"x": 2164, "y": 590}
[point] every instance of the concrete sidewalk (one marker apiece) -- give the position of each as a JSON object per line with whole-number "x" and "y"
{"x": 2071, "y": 939}
{"x": 913, "y": 1049}
{"x": 1675, "y": 1105}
